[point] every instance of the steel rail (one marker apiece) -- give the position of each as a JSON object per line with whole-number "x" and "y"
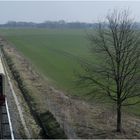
{"x": 9, "y": 120}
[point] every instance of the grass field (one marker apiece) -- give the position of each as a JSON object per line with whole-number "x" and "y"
{"x": 55, "y": 53}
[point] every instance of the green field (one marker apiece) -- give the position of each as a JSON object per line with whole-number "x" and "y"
{"x": 55, "y": 53}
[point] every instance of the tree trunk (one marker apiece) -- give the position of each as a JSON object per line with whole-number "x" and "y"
{"x": 118, "y": 117}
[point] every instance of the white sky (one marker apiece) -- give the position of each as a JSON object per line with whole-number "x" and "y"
{"x": 84, "y": 11}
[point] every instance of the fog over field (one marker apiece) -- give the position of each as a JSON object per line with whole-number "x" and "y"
{"x": 84, "y": 11}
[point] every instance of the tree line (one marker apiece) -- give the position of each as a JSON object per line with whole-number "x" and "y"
{"x": 49, "y": 24}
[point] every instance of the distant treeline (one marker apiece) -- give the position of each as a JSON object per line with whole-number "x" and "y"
{"x": 48, "y": 24}
{"x": 55, "y": 24}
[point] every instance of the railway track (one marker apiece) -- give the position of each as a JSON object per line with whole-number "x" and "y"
{"x": 17, "y": 117}
{"x": 6, "y": 130}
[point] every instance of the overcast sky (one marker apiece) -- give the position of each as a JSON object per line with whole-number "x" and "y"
{"x": 39, "y": 11}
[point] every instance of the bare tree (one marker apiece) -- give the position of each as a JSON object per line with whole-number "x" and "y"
{"x": 116, "y": 46}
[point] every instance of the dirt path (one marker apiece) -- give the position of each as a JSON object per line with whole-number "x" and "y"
{"x": 78, "y": 118}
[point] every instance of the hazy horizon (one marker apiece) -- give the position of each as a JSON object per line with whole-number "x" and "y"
{"x": 70, "y": 11}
